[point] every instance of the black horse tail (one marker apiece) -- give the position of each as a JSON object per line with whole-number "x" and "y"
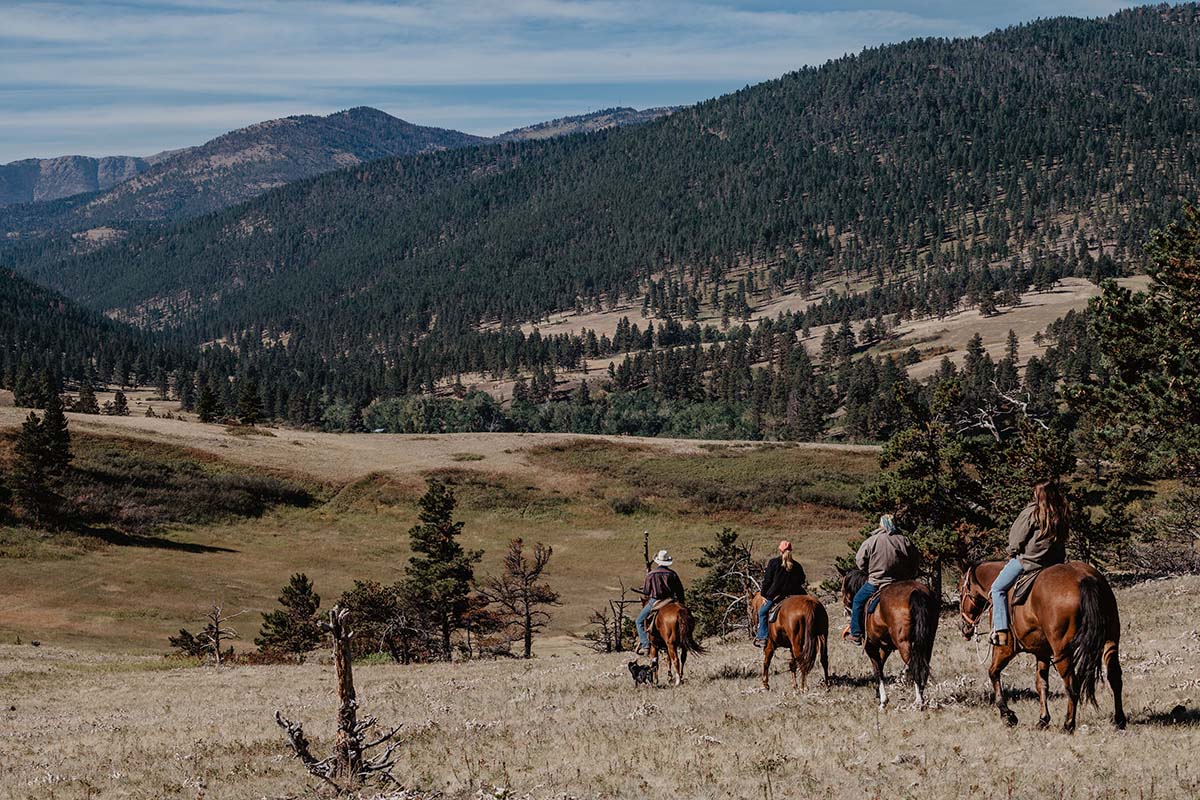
{"x": 923, "y": 610}
{"x": 689, "y": 627}
{"x": 1087, "y": 650}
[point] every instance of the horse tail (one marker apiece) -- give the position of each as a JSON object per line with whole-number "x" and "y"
{"x": 810, "y": 643}
{"x": 689, "y": 629}
{"x": 923, "y": 613}
{"x": 1087, "y": 649}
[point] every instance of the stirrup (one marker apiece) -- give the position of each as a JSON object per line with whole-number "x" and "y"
{"x": 994, "y": 638}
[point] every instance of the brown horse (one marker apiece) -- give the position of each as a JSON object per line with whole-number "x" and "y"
{"x": 1069, "y": 620}
{"x": 803, "y": 627}
{"x": 905, "y": 620}
{"x": 673, "y": 631}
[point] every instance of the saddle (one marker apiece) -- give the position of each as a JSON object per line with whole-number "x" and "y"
{"x": 659, "y": 605}
{"x": 1020, "y": 590}
{"x": 873, "y": 602}
{"x": 773, "y": 614}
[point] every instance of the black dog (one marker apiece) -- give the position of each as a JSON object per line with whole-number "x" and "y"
{"x": 642, "y": 673}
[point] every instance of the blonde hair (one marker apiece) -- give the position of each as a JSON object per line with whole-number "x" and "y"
{"x": 1050, "y": 512}
{"x": 786, "y": 560}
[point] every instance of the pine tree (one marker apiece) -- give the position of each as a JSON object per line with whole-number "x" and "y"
{"x": 716, "y": 595}
{"x": 249, "y": 402}
{"x": 86, "y": 404}
{"x": 31, "y": 484}
{"x": 207, "y": 407}
{"x": 440, "y": 572}
{"x": 293, "y": 629}
{"x": 120, "y": 404}
{"x": 56, "y": 440}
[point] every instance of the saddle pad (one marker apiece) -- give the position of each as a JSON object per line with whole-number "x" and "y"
{"x": 659, "y": 605}
{"x": 1019, "y": 592}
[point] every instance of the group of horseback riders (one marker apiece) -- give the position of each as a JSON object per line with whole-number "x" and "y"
{"x": 1036, "y": 540}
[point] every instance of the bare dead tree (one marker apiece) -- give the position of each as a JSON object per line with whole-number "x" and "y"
{"x": 350, "y": 765}
{"x": 518, "y": 593}
{"x": 216, "y": 631}
{"x": 618, "y": 605}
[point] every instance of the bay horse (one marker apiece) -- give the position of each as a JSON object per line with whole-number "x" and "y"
{"x": 803, "y": 627}
{"x": 1070, "y": 620}
{"x": 905, "y": 620}
{"x": 673, "y": 630}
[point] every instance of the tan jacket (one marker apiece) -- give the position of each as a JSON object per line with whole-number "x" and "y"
{"x": 1027, "y": 544}
{"x": 887, "y": 558}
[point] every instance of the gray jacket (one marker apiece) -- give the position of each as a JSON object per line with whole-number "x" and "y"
{"x": 887, "y": 558}
{"x": 1027, "y": 544}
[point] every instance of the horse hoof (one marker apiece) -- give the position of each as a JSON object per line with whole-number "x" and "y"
{"x": 1068, "y": 729}
{"x": 1043, "y": 723}
{"x": 1010, "y": 719}
{"x": 1119, "y": 722}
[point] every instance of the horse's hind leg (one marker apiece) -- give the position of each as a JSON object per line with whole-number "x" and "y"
{"x": 1066, "y": 669}
{"x": 797, "y": 651}
{"x": 1000, "y": 658}
{"x": 1112, "y": 668}
{"x": 823, "y": 651}
{"x": 673, "y": 664}
{"x": 1043, "y": 688}
{"x": 768, "y": 654}
{"x": 877, "y": 657}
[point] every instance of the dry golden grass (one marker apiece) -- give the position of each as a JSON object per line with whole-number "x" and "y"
{"x": 77, "y": 725}
{"x": 73, "y": 591}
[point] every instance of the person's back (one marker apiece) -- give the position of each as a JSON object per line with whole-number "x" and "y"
{"x": 662, "y": 583}
{"x": 1037, "y": 539}
{"x": 885, "y": 557}
{"x": 783, "y": 578}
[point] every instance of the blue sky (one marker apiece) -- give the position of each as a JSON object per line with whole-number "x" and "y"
{"x": 134, "y": 77}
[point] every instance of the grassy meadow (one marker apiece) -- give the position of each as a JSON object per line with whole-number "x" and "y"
{"x": 78, "y": 725}
{"x": 174, "y": 529}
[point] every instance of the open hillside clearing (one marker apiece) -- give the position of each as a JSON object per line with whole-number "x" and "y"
{"x": 86, "y": 725}
{"x": 588, "y": 497}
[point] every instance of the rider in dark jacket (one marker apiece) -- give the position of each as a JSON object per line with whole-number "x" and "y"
{"x": 662, "y": 583}
{"x": 783, "y": 578}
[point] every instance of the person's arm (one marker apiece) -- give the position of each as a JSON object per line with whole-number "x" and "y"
{"x": 1020, "y": 533}
{"x": 647, "y": 585}
{"x": 863, "y": 556}
{"x": 677, "y": 587}
{"x": 768, "y": 583}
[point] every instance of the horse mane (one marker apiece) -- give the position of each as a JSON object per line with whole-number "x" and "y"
{"x": 854, "y": 580}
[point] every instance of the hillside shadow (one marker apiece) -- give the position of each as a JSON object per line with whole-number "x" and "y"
{"x": 123, "y": 539}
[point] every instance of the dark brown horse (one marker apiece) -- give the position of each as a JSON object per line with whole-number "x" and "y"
{"x": 1070, "y": 620}
{"x": 803, "y": 628}
{"x": 673, "y": 630}
{"x": 905, "y": 621}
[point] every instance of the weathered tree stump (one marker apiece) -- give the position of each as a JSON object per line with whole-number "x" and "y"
{"x": 349, "y": 767}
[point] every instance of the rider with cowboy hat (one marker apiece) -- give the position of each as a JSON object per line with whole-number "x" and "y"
{"x": 662, "y": 583}
{"x": 784, "y": 577}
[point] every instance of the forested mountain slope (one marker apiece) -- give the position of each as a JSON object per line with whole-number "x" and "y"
{"x": 586, "y": 123}
{"x": 895, "y": 167}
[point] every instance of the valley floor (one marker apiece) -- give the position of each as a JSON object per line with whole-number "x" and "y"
{"x": 78, "y": 725}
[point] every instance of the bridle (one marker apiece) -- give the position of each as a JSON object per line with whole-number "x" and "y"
{"x": 970, "y": 607}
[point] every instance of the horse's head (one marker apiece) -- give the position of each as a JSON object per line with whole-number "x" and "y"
{"x": 973, "y": 601}
{"x": 852, "y": 581}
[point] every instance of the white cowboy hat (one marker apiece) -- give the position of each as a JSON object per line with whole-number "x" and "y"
{"x": 663, "y": 559}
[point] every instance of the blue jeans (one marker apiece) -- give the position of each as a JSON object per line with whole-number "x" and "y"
{"x": 858, "y": 608}
{"x": 1004, "y": 581}
{"x": 763, "y": 611}
{"x": 640, "y": 624}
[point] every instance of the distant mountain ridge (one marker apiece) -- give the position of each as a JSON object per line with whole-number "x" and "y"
{"x": 587, "y": 123}
{"x": 240, "y": 165}
{"x": 237, "y": 166}
{"x": 33, "y": 180}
